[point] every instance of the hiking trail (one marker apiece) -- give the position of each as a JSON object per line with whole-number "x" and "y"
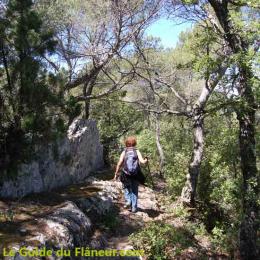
{"x": 91, "y": 214}
{"x": 152, "y": 207}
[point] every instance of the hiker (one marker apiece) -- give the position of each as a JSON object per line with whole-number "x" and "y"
{"x": 131, "y": 174}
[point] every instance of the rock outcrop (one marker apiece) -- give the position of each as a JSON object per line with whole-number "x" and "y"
{"x": 64, "y": 220}
{"x": 101, "y": 203}
{"x": 66, "y": 227}
{"x": 68, "y": 161}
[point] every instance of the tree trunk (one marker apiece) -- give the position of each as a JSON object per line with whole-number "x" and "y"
{"x": 87, "y": 109}
{"x": 158, "y": 144}
{"x": 87, "y": 91}
{"x": 251, "y": 183}
{"x": 189, "y": 190}
{"x": 246, "y": 118}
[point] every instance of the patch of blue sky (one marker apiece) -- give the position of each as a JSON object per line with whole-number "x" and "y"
{"x": 168, "y": 31}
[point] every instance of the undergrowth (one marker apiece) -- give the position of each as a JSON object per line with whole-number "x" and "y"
{"x": 161, "y": 241}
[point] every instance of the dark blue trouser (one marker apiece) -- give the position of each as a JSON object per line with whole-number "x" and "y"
{"x": 131, "y": 193}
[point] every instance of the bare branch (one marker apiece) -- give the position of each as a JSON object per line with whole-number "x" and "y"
{"x": 177, "y": 95}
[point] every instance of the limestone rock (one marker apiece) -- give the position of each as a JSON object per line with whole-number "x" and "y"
{"x": 67, "y": 161}
{"x": 103, "y": 201}
{"x": 62, "y": 223}
{"x": 67, "y": 227}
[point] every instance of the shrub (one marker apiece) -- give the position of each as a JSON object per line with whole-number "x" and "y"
{"x": 161, "y": 241}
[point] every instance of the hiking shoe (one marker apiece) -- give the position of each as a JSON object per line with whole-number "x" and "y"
{"x": 134, "y": 210}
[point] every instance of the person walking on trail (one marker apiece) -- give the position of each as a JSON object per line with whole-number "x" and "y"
{"x": 131, "y": 175}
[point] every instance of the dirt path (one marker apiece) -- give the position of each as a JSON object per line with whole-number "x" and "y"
{"x": 148, "y": 209}
{"x": 151, "y": 208}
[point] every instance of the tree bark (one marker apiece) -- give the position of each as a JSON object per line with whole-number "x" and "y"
{"x": 158, "y": 143}
{"x": 9, "y": 82}
{"x": 246, "y": 118}
{"x": 87, "y": 91}
{"x": 251, "y": 182}
{"x": 189, "y": 190}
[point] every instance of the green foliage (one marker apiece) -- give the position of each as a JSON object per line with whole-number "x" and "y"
{"x": 220, "y": 175}
{"x": 115, "y": 119}
{"x": 72, "y": 108}
{"x": 224, "y": 239}
{"x": 199, "y": 46}
{"x": 29, "y": 100}
{"x": 35, "y": 107}
{"x": 176, "y": 140}
{"x": 161, "y": 241}
{"x": 220, "y": 180}
{"x": 147, "y": 145}
{"x": 181, "y": 212}
{"x": 175, "y": 172}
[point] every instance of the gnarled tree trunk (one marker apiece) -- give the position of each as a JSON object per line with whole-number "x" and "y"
{"x": 246, "y": 118}
{"x": 87, "y": 91}
{"x": 189, "y": 190}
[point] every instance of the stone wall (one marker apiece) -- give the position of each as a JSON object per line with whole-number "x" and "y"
{"x": 68, "y": 161}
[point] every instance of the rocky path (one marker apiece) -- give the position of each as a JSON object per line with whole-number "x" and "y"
{"x": 76, "y": 215}
{"x": 89, "y": 214}
{"x": 151, "y": 208}
{"x": 148, "y": 209}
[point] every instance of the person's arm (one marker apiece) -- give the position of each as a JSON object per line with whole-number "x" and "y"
{"x": 140, "y": 158}
{"x": 119, "y": 164}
